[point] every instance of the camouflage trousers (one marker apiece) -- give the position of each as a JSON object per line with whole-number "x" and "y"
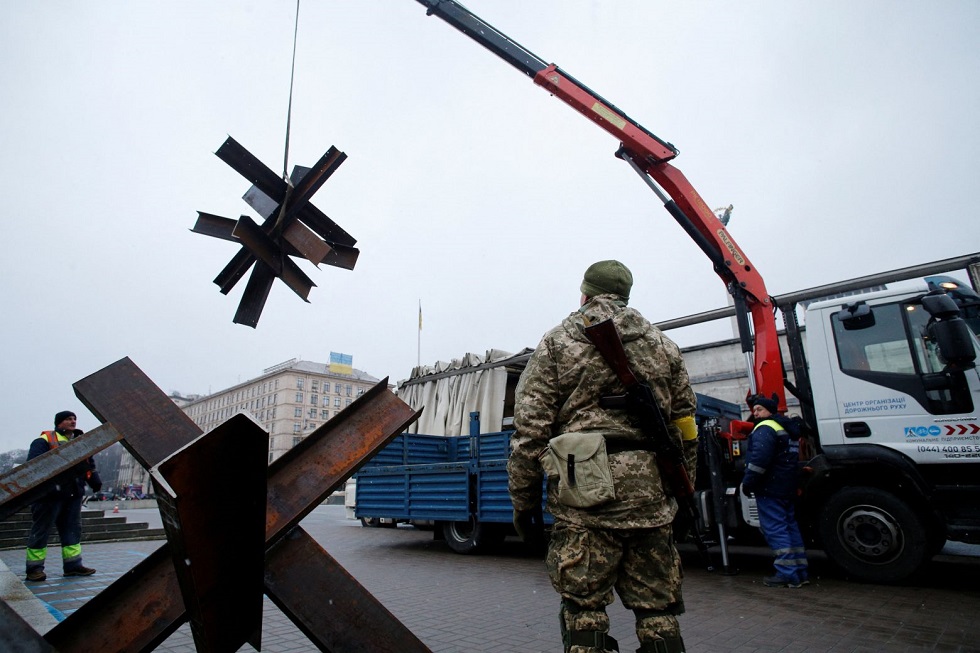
{"x": 641, "y": 565}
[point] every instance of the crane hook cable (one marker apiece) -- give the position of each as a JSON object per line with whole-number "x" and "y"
{"x": 289, "y": 117}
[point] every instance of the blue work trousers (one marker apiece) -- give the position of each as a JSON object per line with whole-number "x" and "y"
{"x": 777, "y": 517}
{"x": 66, "y": 516}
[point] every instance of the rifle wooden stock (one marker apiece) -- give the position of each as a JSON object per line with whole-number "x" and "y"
{"x": 640, "y": 400}
{"x": 606, "y": 339}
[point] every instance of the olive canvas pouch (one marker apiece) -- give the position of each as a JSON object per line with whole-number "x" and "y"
{"x": 581, "y": 464}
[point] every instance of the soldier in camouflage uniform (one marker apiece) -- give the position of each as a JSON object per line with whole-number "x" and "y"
{"x": 624, "y": 544}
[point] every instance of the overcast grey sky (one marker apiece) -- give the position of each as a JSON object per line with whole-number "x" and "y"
{"x": 843, "y": 131}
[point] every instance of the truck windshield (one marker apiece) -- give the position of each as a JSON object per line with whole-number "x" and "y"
{"x": 895, "y": 351}
{"x": 883, "y": 347}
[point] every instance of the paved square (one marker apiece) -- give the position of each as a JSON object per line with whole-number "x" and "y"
{"x": 504, "y": 601}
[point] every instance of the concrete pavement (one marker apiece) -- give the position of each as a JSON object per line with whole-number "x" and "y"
{"x": 504, "y": 601}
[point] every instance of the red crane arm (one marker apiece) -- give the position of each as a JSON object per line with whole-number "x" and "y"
{"x": 649, "y": 156}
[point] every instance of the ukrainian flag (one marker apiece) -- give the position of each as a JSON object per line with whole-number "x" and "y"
{"x": 341, "y": 363}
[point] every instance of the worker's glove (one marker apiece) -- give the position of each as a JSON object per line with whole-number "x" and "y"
{"x": 94, "y": 480}
{"x": 529, "y": 525}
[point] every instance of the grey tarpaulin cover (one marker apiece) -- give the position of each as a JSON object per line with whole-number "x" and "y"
{"x": 455, "y": 389}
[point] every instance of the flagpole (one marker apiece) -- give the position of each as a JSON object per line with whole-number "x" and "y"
{"x": 418, "y": 350}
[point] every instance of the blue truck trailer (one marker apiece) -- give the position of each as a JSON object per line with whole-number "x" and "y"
{"x": 458, "y": 484}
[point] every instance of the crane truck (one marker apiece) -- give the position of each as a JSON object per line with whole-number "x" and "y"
{"x": 886, "y": 383}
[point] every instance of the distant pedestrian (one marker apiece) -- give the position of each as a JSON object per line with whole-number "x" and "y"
{"x": 622, "y": 539}
{"x": 772, "y": 474}
{"x": 61, "y": 506}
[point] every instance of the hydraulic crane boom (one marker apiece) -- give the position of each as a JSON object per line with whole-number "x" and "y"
{"x": 649, "y": 155}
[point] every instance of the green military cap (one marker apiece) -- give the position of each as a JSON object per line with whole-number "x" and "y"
{"x": 608, "y": 277}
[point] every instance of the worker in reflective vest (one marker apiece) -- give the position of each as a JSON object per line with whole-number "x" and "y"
{"x": 61, "y": 506}
{"x": 772, "y": 474}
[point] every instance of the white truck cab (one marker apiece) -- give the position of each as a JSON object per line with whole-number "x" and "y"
{"x": 880, "y": 379}
{"x": 896, "y": 398}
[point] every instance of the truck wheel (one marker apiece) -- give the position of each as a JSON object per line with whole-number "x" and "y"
{"x": 470, "y": 536}
{"x": 370, "y": 522}
{"x": 873, "y": 535}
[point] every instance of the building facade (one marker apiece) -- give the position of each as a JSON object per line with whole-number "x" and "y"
{"x": 720, "y": 370}
{"x": 289, "y": 400}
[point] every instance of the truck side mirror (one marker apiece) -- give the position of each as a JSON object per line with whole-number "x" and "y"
{"x": 856, "y": 316}
{"x": 952, "y": 336}
{"x": 949, "y": 331}
{"x": 940, "y": 305}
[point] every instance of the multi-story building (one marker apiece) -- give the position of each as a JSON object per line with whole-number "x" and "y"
{"x": 289, "y": 400}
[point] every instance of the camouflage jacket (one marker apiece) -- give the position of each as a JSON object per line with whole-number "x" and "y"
{"x": 559, "y": 392}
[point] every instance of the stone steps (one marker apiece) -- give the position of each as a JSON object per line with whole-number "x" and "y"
{"x": 96, "y": 527}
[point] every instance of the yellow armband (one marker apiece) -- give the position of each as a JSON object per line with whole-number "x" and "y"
{"x": 688, "y": 427}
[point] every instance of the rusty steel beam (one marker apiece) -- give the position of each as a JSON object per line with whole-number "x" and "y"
{"x": 267, "y": 250}
{"x": 23, "y": 485}
{"x": 328, "y": 604}
{"x": 268, "y": 183}
{"x": 235, "y": 269}
{"x": 268, "y": 207}
{"x": 302, "y": 240}
{"x": 142, "y": 608}
{"x": 329, "y": 230}
{"x": 305, "y": 242}
{"x": 136, "y": 613}
{"x": 256, "y": 293}
{"x": 304, "y": 476}
{"x": 312, "y": 181}
{"x": 217, "y": 545}
{"x": 342, "y": 256}
{"x": 215, "y": 226}
{"x": 151, "y": 424}
{"x": 249, "y": 166}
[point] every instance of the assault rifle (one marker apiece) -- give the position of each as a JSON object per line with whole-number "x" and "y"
{"x": 640, "y": 401}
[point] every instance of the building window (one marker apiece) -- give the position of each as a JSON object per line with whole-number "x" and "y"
{"x": 312, "y": 425}
{"x": 299, "y": 383}
{"x": 314, "y": 399}
{"x": 312, "y": 413}
{"x": 273, "y": 413}
{"x": 326, "y": 401}
{"x": 314, "y": 385}
{"x": 272, "y": 429}
{"x": 336, "y": 389}
{"x": 336, "y": 402}
{"x": 324, "y": 414}
{"x": 297, "y": 440}
{"x": 360, "y": 391}
{"x": 297, "y": 412}
{"x": 270, "y": 456}
{"x": 348, "y": 402}
{"x": 296, "y": 427}
{"x": 275, "y": 398}
{"x": 349, "y": 390}
{"x": 299, "y": 397}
